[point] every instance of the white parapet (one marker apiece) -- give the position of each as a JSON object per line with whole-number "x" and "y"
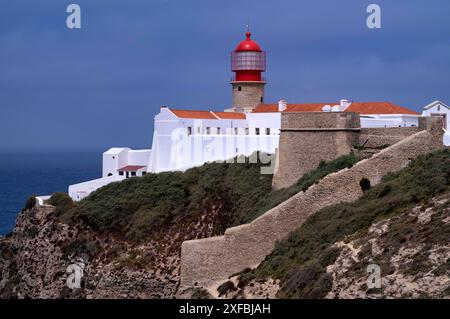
{"x": 79, "y": 191}
{"x": 41, "y": 199}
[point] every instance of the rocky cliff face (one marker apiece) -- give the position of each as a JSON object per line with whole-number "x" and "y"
{"x": 35, "y": 257}
{"x": 411, "y": 249}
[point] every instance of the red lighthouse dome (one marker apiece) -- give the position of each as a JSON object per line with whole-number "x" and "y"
{"x": 248, "y": 45}
{"x": 248, "y": 61}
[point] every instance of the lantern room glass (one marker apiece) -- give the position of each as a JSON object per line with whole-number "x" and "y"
{"x": 248, "y": 60}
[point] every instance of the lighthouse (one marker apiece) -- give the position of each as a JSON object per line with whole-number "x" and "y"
{"x": 248, "y": 62}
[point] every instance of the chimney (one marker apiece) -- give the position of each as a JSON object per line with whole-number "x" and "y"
{"x": 281, "y": 105}
{"x": 326, "y": 108}
{"x": 344, "y": 103}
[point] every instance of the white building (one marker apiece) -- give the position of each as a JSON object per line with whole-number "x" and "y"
{"x": 438, "y": 108}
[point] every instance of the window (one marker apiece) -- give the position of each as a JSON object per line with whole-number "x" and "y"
{"x": 110, "y": 174}
{"x": 133, "y": 173}
{"x": 189, "y": 130}
{"x": 261, "y": 99}
{"x": 257, "y": 131}
{"x": 143, "y": 173}
{"x": 208, "y": 130}
{"x": 268, "y": 131}
{"x": 236, "y": 132}
{"x": 239, "y": 88}
{"x": 246, "y": 131}
{"x": 218, "y": 131}
{"x": 198, "y": 130}
{"x": 121, "y": 173}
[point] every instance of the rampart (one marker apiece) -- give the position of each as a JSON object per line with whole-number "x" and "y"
{"x": 307, "y": 138}
{"x": 379, "y": 137}
{"x": 206, "y": 261}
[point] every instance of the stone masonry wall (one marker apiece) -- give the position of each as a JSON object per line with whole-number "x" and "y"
{"x": 249, "y": 96}
{"x": 206, "y": 261}
{"x": 308, "y": 138}
{"x": 377, "y": 137}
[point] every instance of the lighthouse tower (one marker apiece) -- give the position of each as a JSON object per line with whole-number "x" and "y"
{"x": 248, "y": 61}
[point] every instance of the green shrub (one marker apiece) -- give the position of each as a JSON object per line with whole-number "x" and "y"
{"x": 30, "y": 203}
{"x": 364, "y": 183}
{"x": 84, "y": 245}
{"x": 62, "y": 202}
{"x": 226, "y": 287}
{"x": 200, "y": 293}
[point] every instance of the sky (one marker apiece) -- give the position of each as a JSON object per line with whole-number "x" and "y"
{"x": 101, "y": 86}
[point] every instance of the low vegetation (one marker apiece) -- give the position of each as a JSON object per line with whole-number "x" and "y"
{"x": 135, "y": 208}
{"x": 300, "y": 260}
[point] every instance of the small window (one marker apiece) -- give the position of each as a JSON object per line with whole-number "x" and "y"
{"x": 133, "y": 173}
{"x": 121, "y": 173}
{"x": 246, "y": 131}
{"x": 236, "y": 132}
{"x": 268, "y": 131}
{"x": 239, "y": 88}
{"x": 261, "y": 99}
{"x": 189, "y": 130}
{"x": 208, "y": 130}
{"x": 143, "y": 173}
{"x": 218, "y": 131}
{"x": 257, "y": 131}
{"x": 110, "y": 174}
{"x": 198, "y": 130}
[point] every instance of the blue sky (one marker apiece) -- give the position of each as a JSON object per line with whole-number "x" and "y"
{"x": 102, "y": 85}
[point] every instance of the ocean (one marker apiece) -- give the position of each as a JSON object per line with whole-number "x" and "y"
{"x": 24, "y": 174}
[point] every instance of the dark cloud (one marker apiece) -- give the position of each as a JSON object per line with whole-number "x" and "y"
{"x": 101, "y": 86}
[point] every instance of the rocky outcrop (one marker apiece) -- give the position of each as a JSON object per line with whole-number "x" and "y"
{"x": 35, "y": 258}
{"x": 412, "y": 250}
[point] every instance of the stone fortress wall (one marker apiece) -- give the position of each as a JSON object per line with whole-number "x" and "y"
{"x": 206, "y": 261}
{"x": 378, "y": 137}
{"x": 325, "y": 136}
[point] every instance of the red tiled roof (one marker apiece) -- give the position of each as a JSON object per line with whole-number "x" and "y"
{"x": 130, "y": 168}
{"x": 358, "y": 107}
{"x": 310, "y": 107}
{"x": 378, "y": 108}
{"x": 263, "y": 108}
{"x": 230, "y": 115}
{"x": 189, "y": 114}
{"x": 305, "y": 107}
